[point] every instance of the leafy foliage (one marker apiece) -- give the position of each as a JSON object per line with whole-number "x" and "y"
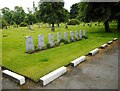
{"x": 23, "y": 24}
{"x": 74, "y": 10}
{"x": 73, "y": 22}
{"x": 18, "y": 15}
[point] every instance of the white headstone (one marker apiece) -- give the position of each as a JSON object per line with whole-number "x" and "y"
{"x": 80, "y": 34}
{"x": 71, "y": 35}
{"x": 51, "y": 39}
{"x": 85, "y": 34}
{"x": 58, "y": 37}
{"x": 29, "y": 43}
{"x": 66, "y": 35}
{"x": 76, "y": 35}
{"x": 40, "y": 41}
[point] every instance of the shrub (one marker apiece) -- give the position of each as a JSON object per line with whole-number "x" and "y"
{"x": 4, "y": 24}
{"x": 86, "y": 37}
{"x": 73, "y": 22}
{"x": 48, "y": 45}
{"x": 64, "y": 41}
{"x": 23, "y": 24}
{"x": 36, "y": 48}
{"x": 5, "y": 35}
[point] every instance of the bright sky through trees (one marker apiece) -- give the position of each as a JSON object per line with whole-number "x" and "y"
{"x": 29, "y": 3}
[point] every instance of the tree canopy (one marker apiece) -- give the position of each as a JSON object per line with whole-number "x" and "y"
{"x": 74, "y": 10}
{"x": 99, "y": 11}
{"x": 52, "y": 12}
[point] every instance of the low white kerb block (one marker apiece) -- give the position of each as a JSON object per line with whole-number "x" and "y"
{"x": 115, "y": 39}
{"x": 93, "y": 52}
{"x": 14, "y": 75}
{"x": 104, "y": 45}
{"x": 110, "y": 42}
{"x": 78, "y": 60}
{"x": 53, "y": 75}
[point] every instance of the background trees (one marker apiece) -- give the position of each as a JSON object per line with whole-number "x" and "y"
{"x": 18, "y": 15}
{"x": 74, "y": 10}
{"x": 7, "y": 16}
{"x": 99, "y": 11}
{"x": 52, "y": 12}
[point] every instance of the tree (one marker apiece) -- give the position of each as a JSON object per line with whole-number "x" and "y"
{"x": 99, "y": 11}
{"x": 66, "y": 17}
{"x": 18, "y": 15}
{"x": 51, "y": 12}
{"x": 74, "y": 10}
{"x": 38, "y": 17}
{"x": 7, "y": 15}
{"x": 30, "y": 19}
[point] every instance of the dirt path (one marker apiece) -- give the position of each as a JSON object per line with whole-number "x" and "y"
{"x": 97, "y": 72}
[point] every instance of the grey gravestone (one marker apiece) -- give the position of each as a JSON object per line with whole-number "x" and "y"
{"x": 29, "y": 43}
{"x": 71, "y": 35}
{"x": 40, "y": 41}
{"x": 51, "y": 39}
{"x": 80, "y": 34}
{"x": 38, "y": 25}
{"x": 84, "y": 33}
{"x": 31, "y": 27}
{"x": 58, "y": 37}
{"x": 76, "y": 35}
{"x": 66, "y": 35}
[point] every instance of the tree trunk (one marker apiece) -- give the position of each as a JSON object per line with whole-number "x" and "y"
{"x": 107, "y": 28}
{"x": 52, "y": 28}
{"x": 118, "y": 26}
{"x": 90, "y": 24}
{"x": 58, "y": 25}
{"x": 66, "y": 26}
{"x": 38, "y": 25}
{"x": 49, "y": 25}
{"x": 17, "y": 25}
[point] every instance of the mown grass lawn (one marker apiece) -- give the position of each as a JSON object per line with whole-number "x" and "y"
{"x": 37, "y": 65}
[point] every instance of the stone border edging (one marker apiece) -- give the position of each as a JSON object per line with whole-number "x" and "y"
{"x": 15, "y": 75}
{"x": 78, "y": 60}
{"x": 53, "y": 75}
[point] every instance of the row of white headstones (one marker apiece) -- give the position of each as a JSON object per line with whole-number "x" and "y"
{"x": 30, "y": 45}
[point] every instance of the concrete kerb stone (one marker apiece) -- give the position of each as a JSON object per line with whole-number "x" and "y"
{"x": 78, "y": 61}
{"x": 115, "y": 39}
{"x": 93, "y": 52}
{"x": 110, "y": 42}
{"x": 53, "y": 75}
{"x": 104, "y": 45}
{"x": 20, "y": 78}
